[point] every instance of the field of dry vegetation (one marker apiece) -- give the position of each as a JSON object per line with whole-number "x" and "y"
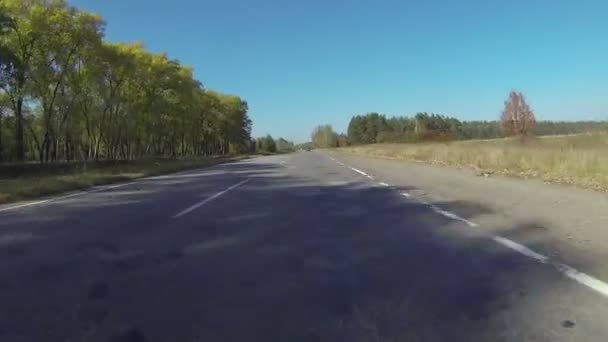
{"x": 28, "y": 181}
{"x": 580, "y": 160}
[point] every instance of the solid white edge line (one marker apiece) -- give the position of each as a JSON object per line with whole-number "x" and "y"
{"x": 80, "y": 193}
{"x": 109, "y": 188}
{"x": 383, "y": 184}
{"x": 93, "y": 190}
{"x": 29, "y": 204}
{"x": 209, "y": 199}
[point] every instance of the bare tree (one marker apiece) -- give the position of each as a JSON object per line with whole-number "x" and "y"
{"x": 517, "y": 117}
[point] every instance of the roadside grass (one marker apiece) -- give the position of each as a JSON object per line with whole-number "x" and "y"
{"x": 28, "y": 181}
{"x": 580, "y": 160}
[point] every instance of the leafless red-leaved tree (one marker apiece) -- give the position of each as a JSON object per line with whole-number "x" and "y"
{"x": 517, "y": 118}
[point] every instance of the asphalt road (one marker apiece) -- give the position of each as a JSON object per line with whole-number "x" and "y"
{"x": 285, "y": 248}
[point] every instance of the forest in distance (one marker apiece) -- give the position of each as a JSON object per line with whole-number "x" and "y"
{"x": 68, "y": 94}
{"x": 374, "y": 128}
{"x": 571, "y": 152}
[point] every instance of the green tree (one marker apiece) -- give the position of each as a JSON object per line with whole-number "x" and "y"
{"x": 270, "y": 144}
{"x": 27, "y": 24}
{"x": 324, "y": 137}
{"x": 343, "y": 140}
{"x": 356, "y": 130}
{"x": 266, "y": 144}
{"x": 71, "y": 95}
{"x": 68, "y": 33}
{"x": 6, "y": 59}
{"x": 284, "y": 145}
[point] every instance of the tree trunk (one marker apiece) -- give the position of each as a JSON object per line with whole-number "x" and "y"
{"x": 19, "y": 146}
{"x": 55, "y": 149}
{"x": 68, "y": 148}
{"x": 44, "y": 149}
{"x": 96, "y": 148}
{"x": 1, "y": 147}
{"x": 123, "y": 151}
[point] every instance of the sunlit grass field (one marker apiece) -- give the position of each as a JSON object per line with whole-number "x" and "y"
{"x": 580, "y": 160}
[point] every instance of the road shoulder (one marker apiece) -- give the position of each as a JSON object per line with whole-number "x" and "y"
{"x": 566, "y": 222}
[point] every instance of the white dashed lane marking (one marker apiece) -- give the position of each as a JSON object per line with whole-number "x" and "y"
{"x": 359, "y": 171}
{"x": 450, "y": 215}
{"x": 209, "y": 199}
{"x": 569, "y": 271}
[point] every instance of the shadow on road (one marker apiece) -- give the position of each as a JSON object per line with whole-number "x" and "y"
{"x": 283, "y": 259}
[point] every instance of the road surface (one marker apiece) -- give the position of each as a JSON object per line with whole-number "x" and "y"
{"x": 297, "y": 247}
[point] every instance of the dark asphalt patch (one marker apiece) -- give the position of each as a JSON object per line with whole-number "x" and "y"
{"x": 98, "y": 290}
{"x": 173, "y": 255}
{"x": 110, "y": 248}
{"x": 54, "y": 270}
{"x": 95, "y": 316}
{"x": 130, "y": 263}
{"x": 568, "y": 324}
{"x": 131, "y": 335}
{"x": 17, "y": 251}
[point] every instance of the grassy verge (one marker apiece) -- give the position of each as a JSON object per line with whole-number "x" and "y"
{"x": 28, "y": 181}
{"x": 580, "y": 160}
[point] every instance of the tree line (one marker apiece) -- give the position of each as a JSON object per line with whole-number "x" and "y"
{"x": 516, "y": 119}
{"x": 268, "y": 144}
{"x": 376, "y": 128}
{"x": 324, "y": 136}
{"x": 67, "y": 94}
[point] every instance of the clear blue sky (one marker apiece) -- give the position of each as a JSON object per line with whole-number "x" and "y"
{"x": 303, "y": 62}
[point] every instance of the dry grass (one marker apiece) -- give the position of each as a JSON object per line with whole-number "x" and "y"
{"x": 43, "y": 180}
{"x": 580, "y": 160}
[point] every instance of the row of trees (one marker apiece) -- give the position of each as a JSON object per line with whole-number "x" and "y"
{"x": 376, "y": 128}
{"x": 516, "y": 119}
{"x": 324, "y": 136}
{"x": 268, "y": 144}
{"x": 68, "y": 94}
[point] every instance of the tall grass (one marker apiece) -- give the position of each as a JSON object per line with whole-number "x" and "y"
{"x": 575, "y": 159}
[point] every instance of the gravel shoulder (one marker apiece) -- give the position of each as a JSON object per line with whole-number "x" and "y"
{"x": 564, "y": 222}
